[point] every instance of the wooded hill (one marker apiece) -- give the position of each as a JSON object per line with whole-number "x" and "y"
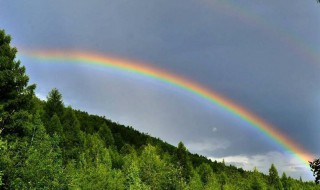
{"x": 45, "y": 145}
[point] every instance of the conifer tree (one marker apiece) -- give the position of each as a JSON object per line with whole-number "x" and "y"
{"x": 257, "y": 183}
{"x": 54, "y": 126}
{"x": 285, "y": 181}
{"x": 106, "y": 135}
{"x": 15, "y": 94}
{"x": 71, "y": 134}
{"x": 42, "y": 168}
{"x": 274, "y": 180}
{"x": 195, "y": 181}
{"x": 205, "y": 172}
{"x": 184, "y": 161}
{"x": 54, "y": 104}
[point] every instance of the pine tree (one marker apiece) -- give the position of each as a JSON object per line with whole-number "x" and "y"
{"x": 43, "y": 165}
{"x": 54, "y": 104}
{"x": 284, "y": 180}
{"x": 54, "y": 126}
{"x": 71, "y": 134}
{"x": 195, "y": 181}
{"x": 106, "y": 135}
{"x": 132, "y": 172}
{"x": 15, "y": 94}
{"x": 274, "y": 180}
{"x": 205, "y": 172}
{"x": 257, "y": 183}
{"x": 184, "y": 161}
{"x": 222, "y": 180}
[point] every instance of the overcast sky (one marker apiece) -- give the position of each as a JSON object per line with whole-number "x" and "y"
{"x": 261, "y": 54}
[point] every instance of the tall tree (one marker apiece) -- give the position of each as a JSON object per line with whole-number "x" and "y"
{"x": 285, "y": 181}
{"x": 257, "y": 183}
{"x": 72, "y": 137}
{"x": 54, "y": 104}
{"x": 42, "y": 167}
{"x": 315, "y": 168}
{"x": 15, "y": 94}
{"x": 54, "y": 126}
{"x": 184, "y": 161}
{"x": 205, "y": 172}
{"x": 274, "y": 180}
{"x": 106, "y": 135}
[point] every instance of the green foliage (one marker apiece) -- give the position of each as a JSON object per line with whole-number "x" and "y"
{"x": 132, "y": 172}
{"x": 106, "y": 135}
{"x": 3, "y": 149}
{"x": 205, "y": 172}
{"x": 315, "y": 168}
{"x": 54, "y": 126}
{"x": 42, "y": 167}
{"x": 257, "y": 181}
{"x": 15, "y": 94}
{"x": 54, "y": 104}
{"x": 71, "y": 134}
{"x": 184, "y": 161}
{"x": 196, "y": 182}
{"x": 274, "y": 180}
{"x": 93, "y": 169}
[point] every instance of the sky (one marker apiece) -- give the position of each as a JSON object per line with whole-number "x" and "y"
{"x": 263, "y": 55}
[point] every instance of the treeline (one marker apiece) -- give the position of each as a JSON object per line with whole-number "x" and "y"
{"x": 45, "y": 145}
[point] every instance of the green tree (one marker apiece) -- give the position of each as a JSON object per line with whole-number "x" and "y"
{"x": 3, "y": 149}
{"x": 132, "y": 173}
{"x": 54, "y": 126}
{"x": 54, "y": 104}
{"x": 257, "y": 183}
{"x": 106, "y": 135}
{"x": 213, "y": 183}
{"x": 195, "y": 181}
{"x": 284, "y": 180}
{"x": 274, "y": 180}
{"x": 155, "y": 172}
{"x": 15, "y": 94}
{"x": 184, "y": 161}
{"x": 71, "y": 134}
{"x": 205, "y": 172}
{"x": 315, "y": 168}
{"x": 36, "y": 161}
{"x": 222, "y": 180}
{"x": 94, "y": 170}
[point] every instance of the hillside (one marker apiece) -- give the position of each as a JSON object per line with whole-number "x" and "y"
{"x": 45, "y": 145}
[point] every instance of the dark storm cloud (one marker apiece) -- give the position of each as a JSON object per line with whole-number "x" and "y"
{"x": 249, "y": 62}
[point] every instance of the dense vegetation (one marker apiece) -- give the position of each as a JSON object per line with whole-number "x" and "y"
{"x": 45, "y": 145}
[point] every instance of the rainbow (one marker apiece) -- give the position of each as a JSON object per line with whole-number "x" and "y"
{"x": 182, "y": 83}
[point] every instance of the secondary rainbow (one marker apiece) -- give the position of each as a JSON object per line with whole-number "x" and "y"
{"x": 247, "y": 16}
{"x": 178, "y": 82}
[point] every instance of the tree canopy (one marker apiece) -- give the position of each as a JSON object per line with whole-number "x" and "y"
{"x": 315, "y": 168}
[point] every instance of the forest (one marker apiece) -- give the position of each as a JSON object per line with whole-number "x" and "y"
{"x": 46, "y": 145}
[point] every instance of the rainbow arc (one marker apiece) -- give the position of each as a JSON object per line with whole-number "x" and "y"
{"x": 179, "y": 82}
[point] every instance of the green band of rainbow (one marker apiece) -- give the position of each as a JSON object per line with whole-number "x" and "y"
{"x": 182, "y": 83}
